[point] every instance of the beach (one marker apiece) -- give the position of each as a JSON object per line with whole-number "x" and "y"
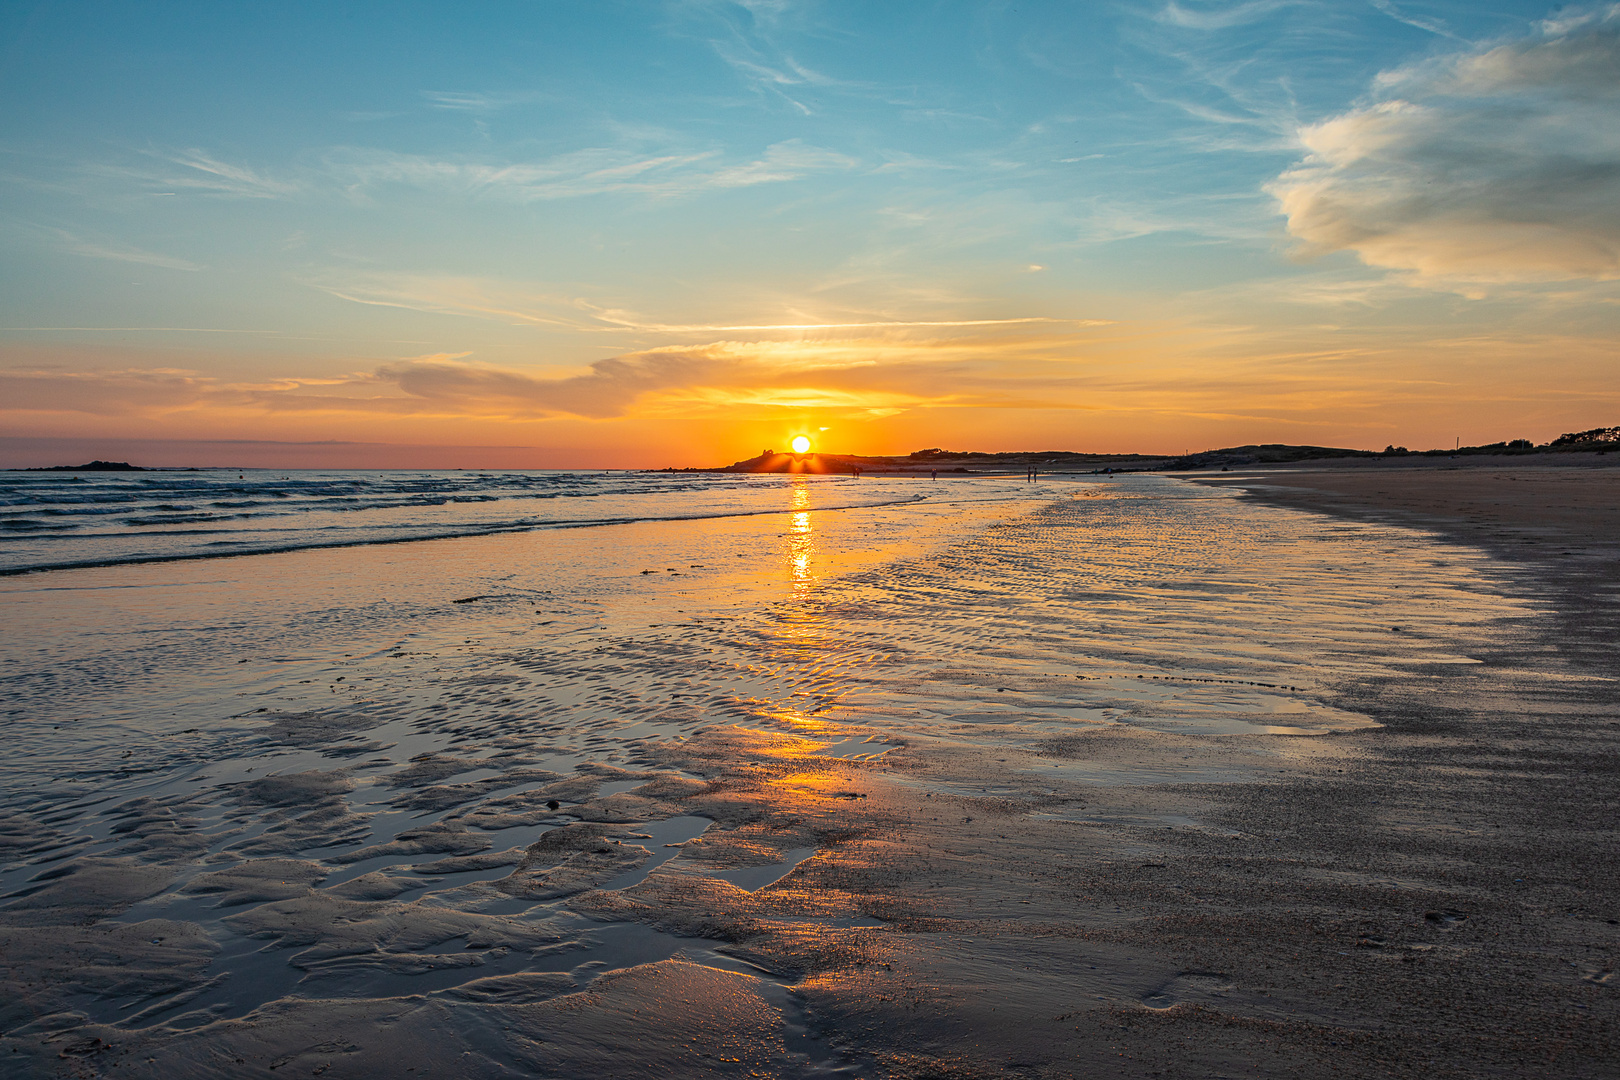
{"x": 1290, "y": 772}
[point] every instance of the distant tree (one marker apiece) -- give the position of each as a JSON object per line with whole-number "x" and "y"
{"x": 1594, "y": 435}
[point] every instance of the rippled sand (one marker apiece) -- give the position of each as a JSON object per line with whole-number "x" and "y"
{"x": 1126, "y": 778}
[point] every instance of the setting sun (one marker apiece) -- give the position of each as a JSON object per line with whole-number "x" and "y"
{"x": 801, "y": 444}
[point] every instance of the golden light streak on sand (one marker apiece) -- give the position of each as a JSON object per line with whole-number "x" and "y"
{"x": 801, "y": 543}
{"x": 803, "y": 628}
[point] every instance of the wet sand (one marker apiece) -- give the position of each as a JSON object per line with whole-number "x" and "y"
{"x": 1149, "y": 780}
{"x": 1559, "y": 514}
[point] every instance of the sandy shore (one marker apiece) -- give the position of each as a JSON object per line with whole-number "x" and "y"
{"x": 1559, "y": 515}
{"x": 1138, "y": 784}
{"x": 1496, "y": 501}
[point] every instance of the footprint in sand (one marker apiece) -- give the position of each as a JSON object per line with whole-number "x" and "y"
{"x": 1445, "y": 920}
{"x": 1189, "y": 986}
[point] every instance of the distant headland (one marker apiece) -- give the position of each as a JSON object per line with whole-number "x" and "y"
{"x": 937, "y": 461}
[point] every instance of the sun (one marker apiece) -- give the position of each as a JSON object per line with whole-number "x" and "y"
{"x": 801, "y": 444}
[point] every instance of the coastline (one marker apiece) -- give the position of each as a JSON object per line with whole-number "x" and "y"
{"x": 1018, "y": 762}
{"x": 1560, "y": 518}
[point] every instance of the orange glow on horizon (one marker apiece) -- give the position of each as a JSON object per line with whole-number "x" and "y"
{"x": 1147, "y": 387}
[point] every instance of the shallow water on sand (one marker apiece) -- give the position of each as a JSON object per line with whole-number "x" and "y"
{"x": 330, "y": 761}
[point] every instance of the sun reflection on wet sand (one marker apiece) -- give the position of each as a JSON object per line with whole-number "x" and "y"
{"x": 805, "y": 642}
{"x": 801, "y": 547}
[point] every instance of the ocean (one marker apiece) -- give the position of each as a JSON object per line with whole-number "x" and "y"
{"x": 55, "y": 520}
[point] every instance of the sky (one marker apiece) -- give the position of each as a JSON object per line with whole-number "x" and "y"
{"x": 644, "y": 234}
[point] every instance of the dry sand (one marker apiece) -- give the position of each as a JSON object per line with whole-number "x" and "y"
{"x": 1047, "y": 833}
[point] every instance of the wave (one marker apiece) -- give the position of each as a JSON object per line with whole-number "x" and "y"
{"x": 315, "y": 542}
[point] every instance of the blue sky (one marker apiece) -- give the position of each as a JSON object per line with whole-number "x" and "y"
{"x": 659, "y": 233}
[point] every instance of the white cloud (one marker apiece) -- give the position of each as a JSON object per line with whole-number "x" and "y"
{"x": 472, "y": 101}
{"x": 783, "y": 161}
{"x": 1499, "y": 164}
{"x": 121, "y": 253}
{"x": 595, "y": 171}
{"x": 196, "y": 172}
{"x": 1433, "y": 26}
{"x": 205, "y": 173}
{"x": 1220, "y": 17}
{"x": 100, "y": 249}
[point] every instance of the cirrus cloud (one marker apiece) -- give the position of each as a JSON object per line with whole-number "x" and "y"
{"x": 1499, "y": 164}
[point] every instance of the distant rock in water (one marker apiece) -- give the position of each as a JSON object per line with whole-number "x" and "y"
{"x": 94, "y": 466}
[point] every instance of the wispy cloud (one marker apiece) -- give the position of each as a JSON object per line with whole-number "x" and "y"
{"x": 1220, "y": 16}
{"x": 1215, "y": 66}
{"x": 103, "y": 247}
{"x": 473, "y": 100}
{"x": 1495, "y": 164}
{"x": 757, "y": 40}
{"x": 471, "y": 297}
{"x": 201, "y": 172}
{"x": 1200, "y": 111}
{"x": 111, "y": 250}
{"x": 582, "y": 173}
{"x": 1433, "y": 26}
{"x": 781, "y": 162}
{"x": 517, "y": 303}
{"x": 167, "y": 172}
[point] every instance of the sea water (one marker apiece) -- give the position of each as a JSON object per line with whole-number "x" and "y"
{"x": 53, "y": 520}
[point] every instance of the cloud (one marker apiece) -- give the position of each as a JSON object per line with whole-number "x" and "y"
{"x": 116, "y": 252}
{"x": 1499, "y": 164}
{"x": 205, "y": 173}
{"x": 470, "y": 297}
{"x": 852, "y": 376}
{"x": 515, "y": 303}
{"x": 1220, "y": 17}
{"x": 991, "y": 364}
{"x": 783, "y": 161}
{"x": 581, "y": 173}
{"x": 472, "y": 101}
{"x": 101, "y": 393}
{"x": 198, "y": 172}
{"x": 754, "y": 38}
{"x": 1433, "y": 26}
